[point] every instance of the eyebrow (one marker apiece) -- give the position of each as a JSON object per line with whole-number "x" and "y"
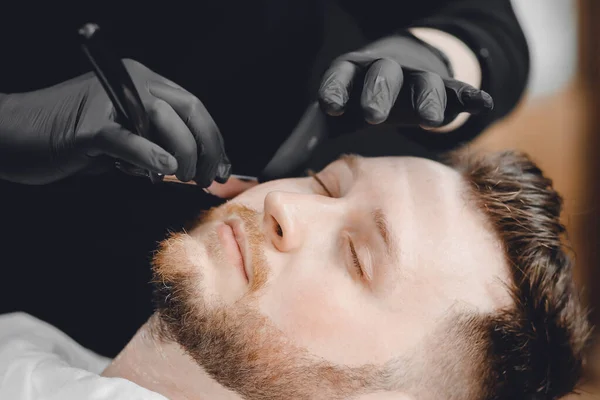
{"x": 385, "y": 231}
{"x": 379, "y": 217}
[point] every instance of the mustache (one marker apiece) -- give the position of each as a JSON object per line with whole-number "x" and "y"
{"x": 249, "y": 215}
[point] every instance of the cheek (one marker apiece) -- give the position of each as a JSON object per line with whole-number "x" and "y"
{"x": 311, "y": 303}
{"x": 323, "y": 311}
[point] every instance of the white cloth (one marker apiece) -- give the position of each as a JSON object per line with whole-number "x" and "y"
{"x": 39, "y": 362}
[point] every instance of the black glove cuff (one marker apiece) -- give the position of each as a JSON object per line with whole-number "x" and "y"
{"x": 442, "y": 56}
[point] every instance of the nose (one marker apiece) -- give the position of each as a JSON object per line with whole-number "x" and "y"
{"x": 289, "y": 216}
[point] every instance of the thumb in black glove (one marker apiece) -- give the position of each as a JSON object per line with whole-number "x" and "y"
{"x": 49, "y": 134}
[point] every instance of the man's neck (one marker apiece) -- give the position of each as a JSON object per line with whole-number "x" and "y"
{"x": 164, "y": 368}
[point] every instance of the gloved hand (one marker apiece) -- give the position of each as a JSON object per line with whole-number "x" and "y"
{"x": 69, "y": 128}
{"x": 398, "y": 80}
{"x": 401, "y": 80}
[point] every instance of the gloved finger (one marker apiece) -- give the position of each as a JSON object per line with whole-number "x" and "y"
{"x": 223, "y": 172}
{"x": 174, "y": 135}
{"x": 428, "y": 97}
{"x": 466, "y": 98}
{"x": 380, "y": 90}
{"x": 336, "y": 85}
{"x": 171, "y": 83}
{"x": 117, "y": 142}
{"x": 142, "y": 72}
{"x": 212, "y": 163}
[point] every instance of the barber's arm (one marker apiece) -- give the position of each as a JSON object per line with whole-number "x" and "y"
{"x": 449, "y": 58}
{"x": 71, "y": 128}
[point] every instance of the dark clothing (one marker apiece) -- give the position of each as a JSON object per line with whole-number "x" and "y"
{"x": 238, "y": 56}
{"x": 76, "y": 252}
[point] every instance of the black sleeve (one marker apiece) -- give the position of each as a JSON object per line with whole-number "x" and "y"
{"x": 491, "y": 29}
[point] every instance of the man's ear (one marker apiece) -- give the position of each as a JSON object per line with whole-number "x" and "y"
{"x": 386, "y": 396}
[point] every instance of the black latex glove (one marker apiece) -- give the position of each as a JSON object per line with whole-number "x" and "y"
{"x": 399, "y": 80}
{"x": 70, "y": 128}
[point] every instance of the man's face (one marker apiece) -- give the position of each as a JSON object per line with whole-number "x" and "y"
{"x": 354, "y": 275}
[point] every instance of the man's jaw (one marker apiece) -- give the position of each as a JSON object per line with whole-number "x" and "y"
{"x": 163, "y": 367}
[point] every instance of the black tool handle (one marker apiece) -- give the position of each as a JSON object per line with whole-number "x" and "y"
{"x": 310, "y": 132}
{"x": 117, "y": 83}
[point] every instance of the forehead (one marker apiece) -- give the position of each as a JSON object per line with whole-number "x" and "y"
{"x": 397, "y": 181}
{"x": 405, "y": 170}
{"x": 443, "y": 238}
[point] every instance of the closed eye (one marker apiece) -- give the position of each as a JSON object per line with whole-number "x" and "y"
{"x": 320, "y": 182}
{"x": 355, "y": 260}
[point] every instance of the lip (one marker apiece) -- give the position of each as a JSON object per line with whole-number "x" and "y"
{"x": 240, "y": 237}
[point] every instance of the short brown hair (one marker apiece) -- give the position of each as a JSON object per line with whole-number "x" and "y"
{"x": 535, "y": 349}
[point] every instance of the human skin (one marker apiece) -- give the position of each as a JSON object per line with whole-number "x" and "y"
{"x": 284, "y": 252}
